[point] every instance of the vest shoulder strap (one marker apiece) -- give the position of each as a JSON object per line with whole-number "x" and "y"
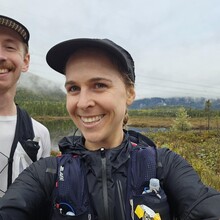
{"x": 27, "y": 131}
{"x": 24, "y": 133}
{"x": 71, "y": 191}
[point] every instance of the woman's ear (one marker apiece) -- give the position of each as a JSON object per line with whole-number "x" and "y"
{"x": 130, "y": 95}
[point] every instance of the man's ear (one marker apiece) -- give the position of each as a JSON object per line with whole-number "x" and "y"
{"x": 130, "y": 95}
{"x": 26, "y": 62}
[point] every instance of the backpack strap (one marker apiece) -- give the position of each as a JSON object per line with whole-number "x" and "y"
{"x": 142, "y": 167}
{"x": 24, "y": 134}
{"x": 145, "y": 141}
{"x": 159, "y": 170}
{"x": 71, "y": 191}
{"x": 26, "y": 125}
{"x": 137, "y": 137}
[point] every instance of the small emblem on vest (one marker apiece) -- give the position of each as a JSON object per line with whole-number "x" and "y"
{"x": 61, "y": 176}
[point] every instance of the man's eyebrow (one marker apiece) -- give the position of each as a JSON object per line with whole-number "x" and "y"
{"x": 12, "y": 39}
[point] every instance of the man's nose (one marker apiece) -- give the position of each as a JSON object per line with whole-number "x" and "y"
{"x": 2, "y": 54}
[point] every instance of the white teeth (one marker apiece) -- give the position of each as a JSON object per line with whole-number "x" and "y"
{"x": 3, "y": 70}
{"x": 91, "y": 119}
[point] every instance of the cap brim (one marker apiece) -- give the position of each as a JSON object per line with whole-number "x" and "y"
{"x": 15, "y": 26}
{"x": 58, "y": 55}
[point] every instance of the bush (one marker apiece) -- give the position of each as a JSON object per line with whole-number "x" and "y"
{"x": 181, "y": 123}
{"x": 199, "y": 148}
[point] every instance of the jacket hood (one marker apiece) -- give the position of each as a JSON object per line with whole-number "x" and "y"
{"x": 71, "y": 144}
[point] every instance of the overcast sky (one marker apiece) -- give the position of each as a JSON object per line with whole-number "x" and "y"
{"x": 175, "y": 43}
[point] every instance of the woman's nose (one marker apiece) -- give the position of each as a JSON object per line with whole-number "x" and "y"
{"x": 85, "y": 100}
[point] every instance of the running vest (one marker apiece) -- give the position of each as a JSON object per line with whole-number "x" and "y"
{"x": 71, "y": 196}
{"x": 24, "y": 134}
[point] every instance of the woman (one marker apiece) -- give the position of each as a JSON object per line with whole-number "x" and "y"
{"x": 108, "y": 172}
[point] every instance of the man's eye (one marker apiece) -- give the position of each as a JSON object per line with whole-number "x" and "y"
{"x": 10, "y": 48}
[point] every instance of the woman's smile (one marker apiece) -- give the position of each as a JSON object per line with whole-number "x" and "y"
{"x": 91, "y": 121}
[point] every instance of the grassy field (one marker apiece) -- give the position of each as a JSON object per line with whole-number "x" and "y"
{"x": 200, "y": 147}
{"x": 166, "y": 122}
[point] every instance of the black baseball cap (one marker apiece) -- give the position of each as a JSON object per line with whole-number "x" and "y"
{"x": 59, "y": 54}
{"x": 15, "y": 26}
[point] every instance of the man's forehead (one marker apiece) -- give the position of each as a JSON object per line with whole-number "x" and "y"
{"x": 11, "y": 34}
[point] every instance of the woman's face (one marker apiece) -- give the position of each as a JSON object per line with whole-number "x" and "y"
{"x": 96, "y": 98}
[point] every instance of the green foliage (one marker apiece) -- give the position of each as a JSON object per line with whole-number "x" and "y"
{"x": 171, "y": 112}
{"x": 159, "y": 112}
{"x": 24, "y": 94}
{"x": 44, "y": 108}
{"x": 199, "y": 148}
{"x": 42, "y": 104}
{"x": 181, "y": 123}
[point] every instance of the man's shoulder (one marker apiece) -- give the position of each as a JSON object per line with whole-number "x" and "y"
{"x": 37, "y": 126}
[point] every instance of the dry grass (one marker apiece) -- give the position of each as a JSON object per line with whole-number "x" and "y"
{"x": 166, "y": 122}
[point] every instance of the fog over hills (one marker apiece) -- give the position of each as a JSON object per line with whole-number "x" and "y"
{"x": 32, "y": 87}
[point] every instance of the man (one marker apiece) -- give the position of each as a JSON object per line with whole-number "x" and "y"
{"x": 15, "y": 153}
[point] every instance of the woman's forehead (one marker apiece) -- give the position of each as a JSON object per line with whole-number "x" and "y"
{"x": 83, "y": 53}
{"x": 90, "y": 57}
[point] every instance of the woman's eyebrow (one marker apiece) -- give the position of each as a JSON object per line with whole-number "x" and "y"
{"x": 96, "y": 79}
{"x": 99, "y": 79}
{"x": 70, "y": 82}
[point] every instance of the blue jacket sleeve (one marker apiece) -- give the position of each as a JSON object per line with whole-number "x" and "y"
{"x": 188, "y": 196}
{"x": 29, "y": 196}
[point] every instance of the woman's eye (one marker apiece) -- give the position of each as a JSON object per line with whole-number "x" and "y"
{"x": 100, "y": 85}
{"x": 73, "y": 89}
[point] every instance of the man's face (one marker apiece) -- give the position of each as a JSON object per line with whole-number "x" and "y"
{"x": 14, "y": 58}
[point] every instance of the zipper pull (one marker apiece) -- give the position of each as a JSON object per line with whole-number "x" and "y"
{"x": 102, "y": 150}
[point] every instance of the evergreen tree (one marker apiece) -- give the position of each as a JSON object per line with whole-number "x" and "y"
{"x": 181, "y": 122}
{"x": 208, "y": 105}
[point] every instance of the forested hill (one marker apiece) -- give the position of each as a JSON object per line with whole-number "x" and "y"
{"x": 187, "y": 102}
{"x": 35, "y": 88}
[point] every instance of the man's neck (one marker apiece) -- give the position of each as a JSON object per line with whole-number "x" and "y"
{"x": 7, "y": 106}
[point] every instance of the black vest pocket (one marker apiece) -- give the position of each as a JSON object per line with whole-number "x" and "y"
{"x": 157, "y": 202}
{"x": 59, "y": 216}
